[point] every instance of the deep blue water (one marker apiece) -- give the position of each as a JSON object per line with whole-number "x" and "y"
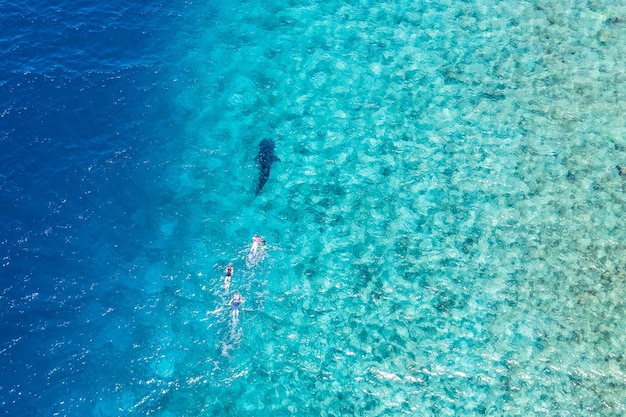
{"x": 82, "y": 104}
{"x": 444, "y": 227}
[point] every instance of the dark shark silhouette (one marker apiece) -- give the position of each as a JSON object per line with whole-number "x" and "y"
{"x": 264, "y": 160}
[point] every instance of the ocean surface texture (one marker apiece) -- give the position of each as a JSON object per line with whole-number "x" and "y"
{"x": 445, "y": 228}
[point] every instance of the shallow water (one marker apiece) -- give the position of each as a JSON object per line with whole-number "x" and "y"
{"x": 444, "y": 230}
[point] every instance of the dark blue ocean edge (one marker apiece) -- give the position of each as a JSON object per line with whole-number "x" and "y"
{"x": 84, "y": 121}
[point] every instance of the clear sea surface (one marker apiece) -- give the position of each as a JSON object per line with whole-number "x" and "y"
{"x": 445, "y": 232}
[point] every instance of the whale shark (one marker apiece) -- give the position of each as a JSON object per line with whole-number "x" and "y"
{"x": 264, "y": 160}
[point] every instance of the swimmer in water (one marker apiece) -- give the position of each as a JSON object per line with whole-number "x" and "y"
{"x": 257, "y": 251}
{"x": 235, "y": 302}
{"x": 262, "y": 248}
{"x": 229, "y": 274}
{"x": 255, "y": 244}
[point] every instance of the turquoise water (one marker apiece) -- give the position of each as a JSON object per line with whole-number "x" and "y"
{"x": 444, "y": 229}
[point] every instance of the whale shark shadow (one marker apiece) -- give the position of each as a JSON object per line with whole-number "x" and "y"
{"x": 264, "y": 160}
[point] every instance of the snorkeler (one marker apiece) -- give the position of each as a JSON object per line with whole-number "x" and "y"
{"x": 255, "y": 244}
{"x": 229, "y": 274}
{"x": 253, "y": 255}
{"x": 263, "y": 245}
{"x": 235, "y": 302}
